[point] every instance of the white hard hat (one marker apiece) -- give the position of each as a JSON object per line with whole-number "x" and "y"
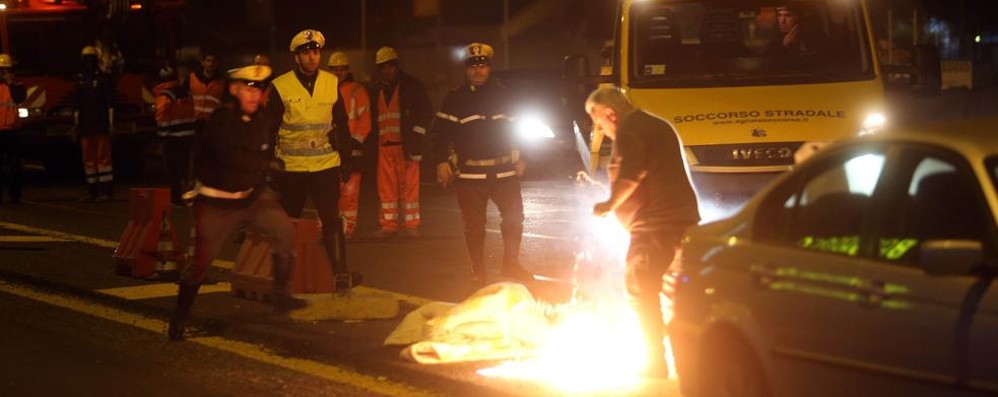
{"x": 385, "y": 54}
{"x": 338, "y": 59}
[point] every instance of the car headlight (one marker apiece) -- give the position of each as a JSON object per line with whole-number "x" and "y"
{"x": 22, "y": 113}
{"x": 533, "y": 128}
{"x": 874, "y": 123}
{"x": 29, "y": 112}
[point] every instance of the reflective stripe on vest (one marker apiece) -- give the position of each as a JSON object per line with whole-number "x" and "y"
{"x": 303, "y": 137}
{"x": 205, "y": 96}
{"x": 8, "y": 109}
{"x": 389, "y": 118}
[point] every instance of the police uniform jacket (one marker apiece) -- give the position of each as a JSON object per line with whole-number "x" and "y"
{"x": 234, "y": 149}
{"x": 414, "y": 104}
{"x": 477, "y": 122}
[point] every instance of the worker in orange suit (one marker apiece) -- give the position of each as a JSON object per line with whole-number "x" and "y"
{"x": 358, "y": 107}
{"x": 207, "y": 88}
{"x": 93, "y": 123}
{"x": 175, "y": 126}
{"x": 11, "y": 95}
{"x": 403, "y": 113}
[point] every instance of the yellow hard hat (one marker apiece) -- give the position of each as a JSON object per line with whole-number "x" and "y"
{"x": 89, "y": 50}
{"x": 5, "y": 61}
{"x": 338, "y": 59}
{"x": 478, "y": 54}
{"x": 307, "y": 39}
{"x": 385, "y": 54}
{"x": 253, "y": 75}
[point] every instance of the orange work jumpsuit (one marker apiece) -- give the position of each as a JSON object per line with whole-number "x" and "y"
{"x": 358, "y": 107}
{"x": 398, "y": 177}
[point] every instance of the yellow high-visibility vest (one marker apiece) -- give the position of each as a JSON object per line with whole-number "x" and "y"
{"x": 303, "y": 138}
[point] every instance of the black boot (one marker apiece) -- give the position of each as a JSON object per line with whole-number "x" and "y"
{"x": 185, "y": 299}
{"x": 512, "y": 235}
{"x": 105, "y": 190}
{"x": 90, "y": 194}
{"x": 336, "y": 250}
{"x": 281, "y": 292}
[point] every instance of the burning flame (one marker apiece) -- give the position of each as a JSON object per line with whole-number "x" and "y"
{"x": 595, "y": 343}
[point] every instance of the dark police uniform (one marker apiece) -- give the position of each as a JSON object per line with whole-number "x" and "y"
{"x": 234, "y": 153}
{"x": 477, "y": 122}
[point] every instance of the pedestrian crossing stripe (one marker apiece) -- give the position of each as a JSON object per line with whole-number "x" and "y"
{"x": 159, "y": 290}
{"x": 31, "y": 239}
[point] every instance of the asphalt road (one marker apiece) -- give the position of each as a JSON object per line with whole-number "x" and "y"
{"x": 57, "y": 351}
{"x": 53, "y": 243}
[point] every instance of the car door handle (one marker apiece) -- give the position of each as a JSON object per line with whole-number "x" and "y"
{"x": 873, "y": 293}
{"x": 764, "y": 275}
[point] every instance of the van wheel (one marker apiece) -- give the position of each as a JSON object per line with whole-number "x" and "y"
{"x": 730, "y": 369}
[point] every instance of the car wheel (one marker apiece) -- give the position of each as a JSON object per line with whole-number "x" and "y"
{"x": 730, "y": 369}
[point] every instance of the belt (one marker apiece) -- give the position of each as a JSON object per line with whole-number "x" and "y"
{"x": 297, "y": 144}
{"x": 486, "y": 176}
{"x": 306, "y": 127}
{"x": 513, "y": 157}
{"x": 391, "y": 143}
{"x": 208, "y": 191}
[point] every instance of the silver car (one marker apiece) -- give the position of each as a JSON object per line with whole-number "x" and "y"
{"x": 866, "y": 271}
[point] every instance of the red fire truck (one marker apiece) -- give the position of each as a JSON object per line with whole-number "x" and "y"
{"x": 45, "y": 38}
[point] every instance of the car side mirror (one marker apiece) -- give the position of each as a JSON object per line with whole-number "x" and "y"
{"x": 950, "y": 257}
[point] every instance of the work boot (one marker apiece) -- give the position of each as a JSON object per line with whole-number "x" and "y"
{"x": 344, "y": 282}
{"x": 411, "y": 233}
{"x": 89, "y": 194}
{"x": 384, "y": 233}
{"x": 185, "y": 299}
{"x": 281, "y": 292}
{"x": 104, "y": 192}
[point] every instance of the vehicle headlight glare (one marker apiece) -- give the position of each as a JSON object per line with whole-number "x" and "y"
{"x": 873, "y": 124}
{"x": 533, "y": 128}
{"x": 22, "y": 113}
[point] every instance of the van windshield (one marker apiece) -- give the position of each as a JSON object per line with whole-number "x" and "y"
{"x": 723, "y": 43}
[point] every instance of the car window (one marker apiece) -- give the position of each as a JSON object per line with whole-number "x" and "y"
{"x": 941, "y": 202}
{"x": 825, "y": 210}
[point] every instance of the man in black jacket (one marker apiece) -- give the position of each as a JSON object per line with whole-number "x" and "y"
{"x": 477, "y": 121}
{"x": 233, "y": 159}
{"x": 402, "y": 114}
{"x": 652, "y": 196}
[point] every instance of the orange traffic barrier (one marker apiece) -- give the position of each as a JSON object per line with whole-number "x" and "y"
{"x": 252, "y": 276}
{"x": 149, "y": 246}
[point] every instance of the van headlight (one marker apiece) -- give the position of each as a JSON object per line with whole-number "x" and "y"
{"x": 533, "y": 128}
{"x": 874, "y": 124}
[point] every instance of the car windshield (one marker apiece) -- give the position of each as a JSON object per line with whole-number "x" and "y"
{"x": 711, "y": 43}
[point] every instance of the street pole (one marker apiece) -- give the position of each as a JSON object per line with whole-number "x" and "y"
{"x": 3, "y": 28}
{"x": 363, "y": 36}
{"x": 505, "y": 34}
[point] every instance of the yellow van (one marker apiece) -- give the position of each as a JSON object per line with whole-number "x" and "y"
{"x": 752, "y": 86}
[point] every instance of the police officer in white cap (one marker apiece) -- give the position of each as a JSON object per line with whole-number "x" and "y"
{"x": 313, "y": 140}
{"x": 476, "y": 119}
{"x": 233, "y": 159}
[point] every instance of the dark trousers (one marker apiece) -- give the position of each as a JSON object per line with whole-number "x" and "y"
{"x": 324, "y": 189}
{"x": 215, "y": 220}
{"x": 648, "y": 258}
{"x": 177, "y": 157}
{"x": 10, "y": 163}
{"x": 473, "y": 197}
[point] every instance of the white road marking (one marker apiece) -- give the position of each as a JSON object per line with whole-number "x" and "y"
{"x": 31, "y": 239}
{"x": 159, "y": 290}
{"x": 247, "y": 350}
